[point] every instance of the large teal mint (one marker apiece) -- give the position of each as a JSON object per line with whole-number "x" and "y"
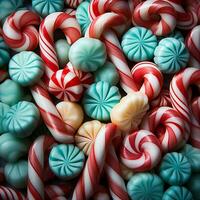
{"x": 175, "y": 34}
{"x": 4, "y": 54}
{"x": 194, "y": 186}
{"x": 193, "y": 155}
{"x": 82, "y": 16}
{"x": 46, "y": 7}
{"x": 66, "y": 161}
{"x": 16, "y": 174}
{"x": 26, "y": 68}
{"x": 21, "y": 119}
{"x": 138, "y": 44}
{"x": 99, "y": 99}
{"x": 3, "y": 110}
{"x": 145, "y": 186}
{"x": 177, "y": 193}
{"x": 11, "y": 92}
{"x": 87, "y": 54}
{"x": 13, "y": 148}
{"x": 171, "y": 55}
{"x": 175, "y": 169}
{"x": 107, "y": 73}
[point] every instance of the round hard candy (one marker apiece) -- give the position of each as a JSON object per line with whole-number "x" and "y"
{"x": 3, "y": 110}
{"x": 194, "y": 186}
{"x": 175, "y": 34}
{"x": 4, "y": 53}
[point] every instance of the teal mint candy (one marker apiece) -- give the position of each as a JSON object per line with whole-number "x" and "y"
{"x": 107, "y": 73}
{"x": 26, "y": 68}
{"x": 11, "y": 92}
{"x": 99, "y": 99}
{"x": 21, "y": 119}
{"x": 145, "y": 186}
{"x": 87, "y": 54}
{"x": 13, "y": 148}
{"x": 177, "y": 193}
{"x": 82, "y": 16}
{"x": 171, "y": 55}
{"x": 46, "y": 7}
{"x": 175, "y": 169}
{"x": 175, "y": 34}
{"x": 16, "y": 174}
{"x": 3, "y": 110}
{"x": 66, "y": 161}
{"x": 138, "y": 44}
{"x": 193, "y": 155}
{"x": 194, "y": 186}
{"x": 4, "y": 54}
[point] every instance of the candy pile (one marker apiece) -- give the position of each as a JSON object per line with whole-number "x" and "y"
{"x": 99, "y": 99}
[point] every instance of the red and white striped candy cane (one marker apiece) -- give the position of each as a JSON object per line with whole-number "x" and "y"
{"x": 116, "y": 183}
{"x": 3, "y": 75}
{"x": 148, "y": 78}
{"x": 19, "y": 30}
{"x": 181, "y": 100}
{"x": 35, "y": 187}
{"x": 133, "y": 4}
{"x": 193, "y": 45}
{"x": 196, "y": 108}
{"x": 89, "y": 179}
{"x": 73, "y": 3}
{"x": 101, "y": 193}
{"x": 157, "y": 15}
{"x": 7, "y": 193}
{"x": 141, "y": 151}
{"x": 61, "y": 132}
{"x": 86, "y": 78}
{"x": 71, "y": 12}
{"x": 167, "y": 124}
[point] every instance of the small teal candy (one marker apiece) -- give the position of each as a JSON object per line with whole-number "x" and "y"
{"x": 138, "y": 44}
{"x": 82, "y": 16}
{"x": 46, "y": 7}
{"x": 26, "y": 68}
{"x": 87, "y": 54}
{"x": 3, "y": 110}
{"x": 194, "y": 186}
{"x": 66, "y": 161}
{"x": 145, "y": 186}
{"x": 177, "y": 193}
{"x": 107, "y": 73}
{"x": 11, "y": 92}
{"x": 99, "y": 99}
{"x": 4, "y": 54}
{"x": 193, "y": 155}
{"x": 13, "y": 148}
{"x": 175, "y": 169}
{"x": 171, "y": 55}
{"x": 175, "y": 34}
{"x": 21, "y": 119}
{"x": 16, "y": 174}
{"x": 62, "y": 50}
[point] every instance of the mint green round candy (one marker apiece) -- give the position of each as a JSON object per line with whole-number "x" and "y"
{"x": 194, "y": 186}
{"x": 177, "y": 193}
{"x": 82, "y": 16}
{"x": 145, "y": 186}
{"x": 107, "y": 73}
{"x": 99, "y": 99}
{"x": 171, "y": 55}
{"x": 16, "y": 174}
{"x": 4, "y": 53}
{"x": 46, "y": 7}
{"x": 13, "y": 148}
{"x": 26, "y": 68}
{"x": 175, "y": 169}
{"x": 138, "y": 44}
{"x": 11, "y": 92}
{"x": 87, "y": 54}
{"x": 21, "y": 119}
{"x": 66, "y": 161}
{"x": 3, "y": 110}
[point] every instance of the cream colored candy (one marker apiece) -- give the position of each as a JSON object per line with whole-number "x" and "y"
{"x": 126, "y": 172}
{"x": 71, "y": 113}
{"x": 86, "y": 135}
{"x": 128, "y": 113}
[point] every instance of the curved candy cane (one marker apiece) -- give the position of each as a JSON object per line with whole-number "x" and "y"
{"x": 7, "y": 193}
{"x": 73, "y": 3}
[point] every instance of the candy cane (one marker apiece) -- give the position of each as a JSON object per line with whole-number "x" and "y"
{"x": 7, "y": 193}
{"x": 168, "y": 125}
{"x": 101, "y": 193}
{"x": 71, "y": 12}
{"x": 148, "y": 78}
{"x": 35, "y": 187}
{"x": 181, "y": 102}
{"x": 89, "y": 179}
{"x": 61, "y": 132}
{"x": 196, "y": 108}
{"x": 141, "y": 151}
{"x": 3, "y": 75}
{"x": 147, "y": 14}
{"x": 73, "y": 3}
{"x": 19, "y": 32}
{"x": 133, "y": 4}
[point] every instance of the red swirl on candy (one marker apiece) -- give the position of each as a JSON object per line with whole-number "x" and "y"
{"x": 7, "y": 193}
